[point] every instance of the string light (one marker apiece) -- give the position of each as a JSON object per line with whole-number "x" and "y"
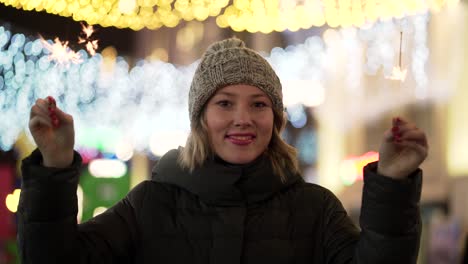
{"x": 251, "y": 15}
{"x": 134, "y": 14}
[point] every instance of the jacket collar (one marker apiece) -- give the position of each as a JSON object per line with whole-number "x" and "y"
{"x": 222, "y": 184}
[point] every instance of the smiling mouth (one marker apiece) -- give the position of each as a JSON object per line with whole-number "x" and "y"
{"x": 240, "y": 140}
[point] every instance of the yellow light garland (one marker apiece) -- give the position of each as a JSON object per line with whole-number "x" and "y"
{"x": 252, "y": 15}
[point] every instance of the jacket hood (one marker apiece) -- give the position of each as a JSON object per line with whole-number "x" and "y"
{"x": 222, "y": 184}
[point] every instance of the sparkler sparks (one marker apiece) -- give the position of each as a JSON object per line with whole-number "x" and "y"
{"x": 88, "y": 30}
{"x": 398, "y": 74}
{"x": 60, "y": 52}
{"x": 91, "y": 45}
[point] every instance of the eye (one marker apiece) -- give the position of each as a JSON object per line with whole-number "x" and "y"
{"x": 224, "y": 103}
{"x": 260, "y": 105}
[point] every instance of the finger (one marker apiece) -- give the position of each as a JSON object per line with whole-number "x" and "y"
{"x": 47, "y": 104}
{"x": 421, "y": 150}
{"x": 404, "y": 127}
{"x": 43, "y": 106}
{"x": 396, "y": 134}
{"x": 52, "y": 104}
{"x": 37, "y": 110}
{"x": 416, "y": 136}
{"x": 51, "y": 101}
{"x": 39, "y": 121}
{"x": 57, "y": 116}
{"x": 401, "y": 127}
{"x": 388, "y": 136}
{"x": 398, "y": 121}
{"x": 62, "y": 116}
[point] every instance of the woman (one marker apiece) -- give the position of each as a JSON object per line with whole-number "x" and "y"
{"x": 233, "y": 194}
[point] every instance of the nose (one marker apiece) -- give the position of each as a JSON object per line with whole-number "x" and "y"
{"x": 242, "y": 117}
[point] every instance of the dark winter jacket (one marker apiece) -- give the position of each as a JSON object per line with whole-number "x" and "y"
{"x": 217, "y": 214}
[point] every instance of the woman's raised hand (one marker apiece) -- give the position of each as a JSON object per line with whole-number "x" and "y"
{"x": 404, "y": 147}
{"x": 53, "y": 132}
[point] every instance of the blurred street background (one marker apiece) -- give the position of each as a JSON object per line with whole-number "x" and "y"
{"x": 123, "y": 68}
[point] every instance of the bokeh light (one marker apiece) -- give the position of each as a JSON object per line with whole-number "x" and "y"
{"x": 112, "y": 100}
{"x": 107, "y": 168}
{"x": 251, "y": 15}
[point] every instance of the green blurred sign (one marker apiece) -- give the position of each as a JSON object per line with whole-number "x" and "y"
{"x": 102, "y": 192}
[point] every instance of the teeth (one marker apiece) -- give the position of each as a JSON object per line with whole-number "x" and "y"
{"x": 241, "y": 137}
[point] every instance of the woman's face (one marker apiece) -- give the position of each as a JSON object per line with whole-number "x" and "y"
{"x": 240, "y": 122}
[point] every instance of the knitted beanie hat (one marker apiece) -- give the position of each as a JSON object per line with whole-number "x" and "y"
{"x": 229, "y": 62}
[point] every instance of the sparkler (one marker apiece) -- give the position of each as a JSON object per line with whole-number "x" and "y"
{"x": 397, "y": 73}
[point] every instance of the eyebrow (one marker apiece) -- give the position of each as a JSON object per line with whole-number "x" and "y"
{"x": 234, "y": 95}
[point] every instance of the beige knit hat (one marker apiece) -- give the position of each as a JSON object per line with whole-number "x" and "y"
{"x": 229, "y": 62}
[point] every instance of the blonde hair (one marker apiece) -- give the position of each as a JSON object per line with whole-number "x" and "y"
{"x": 198, "y": 149}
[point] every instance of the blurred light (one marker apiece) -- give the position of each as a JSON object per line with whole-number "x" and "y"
{"x": 12, "y": 200}
{"x": 100, "y": 138}
{"x": 162, "y": 142}
{"x": 316, "y": 96}
{"x": 351, "y": 169}
{"x": 297, "y": 115}
{"x": 348, "y": 172}
{"x": 307, "y": 92}
{"x": 159, "y": 54}
{"x": 36, "y": 47}
{"x": 398, "y": 74}
{"x": 108, "y": 155}
{"x": 252, "y": 15}
{"x": 99, "y": 210}
{"x": 4, "y": 37}
{"x": 107, "y": 168}
{"x": 109, "y": 56}
{"x": 151, "y": 96}
{"x": 18, "y": 40}
{"x": 127, "y": 6}
{"x": 189, "y": 36}
{"x": 421, "y": 93}
{"x": 43, "y": 63}
{"x": 124, "y": 151}
{"x": 185, "y": 39}
{"x": 307, "y": 146}
{"x": 79, "y": 195}
{"x": 88, "y": 154}
{"x": 331, "y": 36}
